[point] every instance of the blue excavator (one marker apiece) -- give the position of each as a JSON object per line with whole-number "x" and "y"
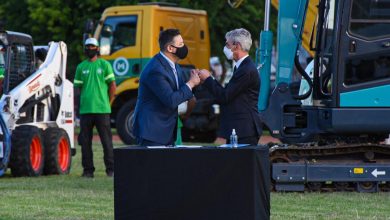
{"x": 332, "y": 134}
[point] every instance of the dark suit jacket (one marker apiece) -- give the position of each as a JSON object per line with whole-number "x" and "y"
{"x": 155, "y": 116}
{"x": 238, "y": 101}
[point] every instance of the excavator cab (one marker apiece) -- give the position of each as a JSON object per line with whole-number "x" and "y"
{"x": 364, "y": 65}
{"x": 350, "y": 72}
{"x": 336, "y": 142}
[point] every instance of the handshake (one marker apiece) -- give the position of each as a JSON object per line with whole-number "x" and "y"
{"x": 197, "y": 77}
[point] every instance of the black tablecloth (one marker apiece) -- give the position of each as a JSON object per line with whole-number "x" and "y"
{"x": 192, "y": 184}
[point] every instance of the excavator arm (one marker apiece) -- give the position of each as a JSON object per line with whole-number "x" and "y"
{"x": 310, "y": 24}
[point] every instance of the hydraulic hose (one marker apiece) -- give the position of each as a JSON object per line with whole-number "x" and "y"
{"x": 306, "y": 76}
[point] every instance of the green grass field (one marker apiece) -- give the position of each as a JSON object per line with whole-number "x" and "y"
{"x": 73, "y": 197}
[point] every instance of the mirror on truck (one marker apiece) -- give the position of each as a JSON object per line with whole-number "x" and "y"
{"x": 88, "y": 29}
{"x": 117, "y": 32}
{"x": 89, "y": 26}
{"x": 2, "y": 25}
{"x": 107, "y": 31}
{"x": 106, "y": 40}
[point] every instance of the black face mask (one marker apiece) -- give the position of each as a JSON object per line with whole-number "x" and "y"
{"x": 90, "y": 53}
{"x": 181, "y": 52}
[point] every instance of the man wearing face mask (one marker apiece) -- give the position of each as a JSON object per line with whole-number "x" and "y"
{"x": 161, "y": 90}
{"x": 239, "y": 98}
{"x": 96, "y": 81}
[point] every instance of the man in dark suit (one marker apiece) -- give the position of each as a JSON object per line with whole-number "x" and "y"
{"x": 240, "y": 96}
{"x": 160, "y": 92}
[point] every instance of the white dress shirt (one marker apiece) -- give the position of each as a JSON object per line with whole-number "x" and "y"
{"x": 172, "y": 65}
{"x": 238, "y": 63}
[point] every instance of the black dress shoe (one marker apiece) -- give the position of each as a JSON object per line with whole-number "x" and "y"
{"x": 87, "y": 175}
{"x": 110, "y": 173}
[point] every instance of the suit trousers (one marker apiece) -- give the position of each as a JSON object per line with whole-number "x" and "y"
{"x": 102, "y": 123}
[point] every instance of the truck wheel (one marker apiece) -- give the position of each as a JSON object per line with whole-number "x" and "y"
{"x": 57, "y": 149}
{"x": 124, "y": 122}
{"x": 27, "y": 151}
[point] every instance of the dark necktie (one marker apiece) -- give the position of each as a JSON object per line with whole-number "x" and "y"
{"x": 176, "y": 77}
{"x": 234, "y": 69}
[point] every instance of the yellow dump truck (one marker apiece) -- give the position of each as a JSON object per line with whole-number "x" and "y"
{"x": 128, "y": 37}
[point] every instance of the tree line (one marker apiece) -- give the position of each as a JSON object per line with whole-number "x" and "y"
{"x": 64, "y": 20}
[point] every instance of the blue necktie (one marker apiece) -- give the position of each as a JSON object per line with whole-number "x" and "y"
{"x": 176, "y": 77}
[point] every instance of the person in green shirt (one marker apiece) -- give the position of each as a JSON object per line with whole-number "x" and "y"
{"x": 2, "y": 69}
{"x": 96, "y": 81}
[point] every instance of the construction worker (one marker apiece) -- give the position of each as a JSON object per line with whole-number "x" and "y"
{"x": 96, "y": 81}
{"x": 2, "y": 67}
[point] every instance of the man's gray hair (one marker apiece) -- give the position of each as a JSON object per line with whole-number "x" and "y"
{"x": 241, "y": 36}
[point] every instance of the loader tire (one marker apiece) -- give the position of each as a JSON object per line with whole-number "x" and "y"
{"x": 58, "y": 156}
{"x": 27, "y": 151}
{"x": 123, "y": 122}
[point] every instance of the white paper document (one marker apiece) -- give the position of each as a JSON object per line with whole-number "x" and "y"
{"x": 189, "y": 146}
{"x": 157, "y": 147}
{"x": 230, "y": 146}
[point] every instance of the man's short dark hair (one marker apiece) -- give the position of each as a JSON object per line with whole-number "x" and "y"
{"x": 166, "y": 37}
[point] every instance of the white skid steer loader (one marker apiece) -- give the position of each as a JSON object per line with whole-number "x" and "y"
{"x": 36, "y": 108}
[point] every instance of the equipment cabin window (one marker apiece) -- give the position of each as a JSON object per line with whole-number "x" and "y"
{"x": 118, "y": 32}
{"x": 368, "y": 69}
{"x": 370, "y": 19}
{"x": 21, "y": 63}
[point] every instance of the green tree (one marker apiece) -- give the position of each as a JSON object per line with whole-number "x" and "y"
{"x": 15, "y": 14}
{"x": 223, "y": 18}
{"x": 54, "y": 20}
{"x": 64, "y": 20}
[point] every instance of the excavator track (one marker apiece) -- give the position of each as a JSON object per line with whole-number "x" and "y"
{"x": 331, "y": 167}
